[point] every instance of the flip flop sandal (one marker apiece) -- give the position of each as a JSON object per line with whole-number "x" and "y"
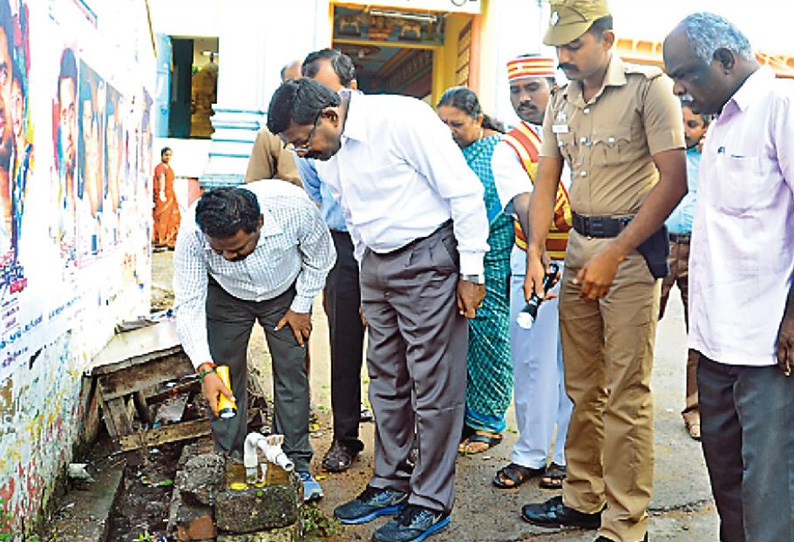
{"x": 517, "y": 474}
{"x": 692, "y": 422}
{"x": 490, "y": 440}
{"x": 553, "y": 477}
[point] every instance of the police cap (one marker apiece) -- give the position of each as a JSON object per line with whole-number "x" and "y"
{"x": 572, "y": 18}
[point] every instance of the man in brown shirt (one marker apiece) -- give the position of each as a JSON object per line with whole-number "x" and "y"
{"x": 270, "y": 160}
{"x": 619, "y": 129}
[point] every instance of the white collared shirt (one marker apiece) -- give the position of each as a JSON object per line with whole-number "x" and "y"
{"x": 399, "y": 176}
{"x": 294, "y": 247}
{"x": 742, "y": 250}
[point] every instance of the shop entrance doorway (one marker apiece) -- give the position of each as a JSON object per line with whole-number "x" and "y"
{"x": 401, "y": 51}
{"x": 384, "y": 69}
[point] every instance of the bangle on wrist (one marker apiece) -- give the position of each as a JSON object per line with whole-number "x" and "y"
{"x": 205, "y": 373}
{"x": 210, "y": 368}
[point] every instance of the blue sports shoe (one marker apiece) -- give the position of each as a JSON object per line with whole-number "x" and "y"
{"x": 312, "y": 491}
{"x": 371, "y": 504}
{"x": 412, "y": 524}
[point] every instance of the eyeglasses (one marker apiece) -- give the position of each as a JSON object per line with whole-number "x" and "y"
{"x": 306, "y": 147}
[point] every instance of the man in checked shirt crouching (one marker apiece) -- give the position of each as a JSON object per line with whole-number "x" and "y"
{"x": 259, "y": 253}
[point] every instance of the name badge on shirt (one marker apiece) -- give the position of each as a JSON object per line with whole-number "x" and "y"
{"x": 560, "y": 128}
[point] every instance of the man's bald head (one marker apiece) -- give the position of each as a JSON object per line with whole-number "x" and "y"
{"x": 291, "y": 71}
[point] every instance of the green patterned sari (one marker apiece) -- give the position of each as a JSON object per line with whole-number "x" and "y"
{"x": 489, "y": 386}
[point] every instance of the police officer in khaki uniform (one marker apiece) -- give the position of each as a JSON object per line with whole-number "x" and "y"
{"x": 619, "y": 129}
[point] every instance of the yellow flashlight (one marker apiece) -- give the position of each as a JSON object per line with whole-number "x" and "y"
{"x": 226, "y": 407}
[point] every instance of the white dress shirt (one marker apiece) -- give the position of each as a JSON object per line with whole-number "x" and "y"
{"x": 742, "y": 250}
{"x": 399, "y": 176}
{"x": 294, "y": 247}
{"x": 511, "y": 180}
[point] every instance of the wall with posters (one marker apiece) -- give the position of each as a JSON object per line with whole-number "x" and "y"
{"x": 76, "y": 82}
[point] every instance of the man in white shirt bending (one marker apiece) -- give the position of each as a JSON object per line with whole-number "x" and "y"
{"x": 417, "y": 218}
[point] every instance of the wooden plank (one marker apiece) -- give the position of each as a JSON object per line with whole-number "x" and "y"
{"x": 141, "y": 407}
{"x": 151, "y": 373}
{"x": 117, "y": 419}
{"x": 190, "y": 386}
{"x": 162, "y": 435}
{"x": 171, "y": 433}
{"x": 135, "y": 361}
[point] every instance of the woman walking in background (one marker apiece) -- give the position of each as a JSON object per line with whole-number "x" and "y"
{"x": 166, "y": 209}
{"x": 490, "y": 371}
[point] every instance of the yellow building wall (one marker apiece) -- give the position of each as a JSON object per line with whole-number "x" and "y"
{"x": 445, "y": 61}
{"x": 482, "y": 58}
{"x": 487, "y": 41}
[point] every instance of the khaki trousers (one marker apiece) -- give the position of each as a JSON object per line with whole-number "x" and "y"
{"x": 607, "y": 350}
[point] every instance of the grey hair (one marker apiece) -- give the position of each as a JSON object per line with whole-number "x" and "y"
{"x": 708, "y": 32}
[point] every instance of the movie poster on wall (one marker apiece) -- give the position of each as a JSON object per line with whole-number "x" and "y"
{"x": 63, "y": 176}
{"x": 75, "y": 222}
{"x": 114, "y": 158}
{"x": 91, "y": 164}
{"x": 16, "y": 172}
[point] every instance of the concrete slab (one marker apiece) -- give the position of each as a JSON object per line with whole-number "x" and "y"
{"x": 253, "y": 508}
{"x": 87, "y": 510}
{"x": 133, "y": 347}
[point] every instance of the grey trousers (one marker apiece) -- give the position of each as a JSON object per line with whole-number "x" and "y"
{"x": 417, "y": 366}
{"x": 229, "y": 324}
{"x": 747, "y": 432}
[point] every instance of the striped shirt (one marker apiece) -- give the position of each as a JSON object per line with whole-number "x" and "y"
{"x": 294, "y": 247}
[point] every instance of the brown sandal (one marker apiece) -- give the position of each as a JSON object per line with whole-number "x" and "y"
{"x": 340, "y": 456}
{"x": 516, "y": 474}
{"x": 479, "y": 437}
{"x": 553, "y": 477}
{"x": 692, "y": 421}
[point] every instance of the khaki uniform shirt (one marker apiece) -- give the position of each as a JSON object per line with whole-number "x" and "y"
{"x": 609, "y": 141}
{"x": 270, "y": 160}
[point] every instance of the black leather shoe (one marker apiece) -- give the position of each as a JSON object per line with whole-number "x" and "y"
{"x": 553, "y": 513}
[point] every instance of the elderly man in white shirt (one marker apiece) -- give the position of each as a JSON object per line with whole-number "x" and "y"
{"x": 741, "y": 302}
{"x": 416, "y": 214}
{"x": 259, "y": 253}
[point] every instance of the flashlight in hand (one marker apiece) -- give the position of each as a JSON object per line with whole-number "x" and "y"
{"x": 528, "y": 314}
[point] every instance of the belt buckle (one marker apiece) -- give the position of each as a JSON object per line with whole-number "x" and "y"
{"x": 596, "y": 228}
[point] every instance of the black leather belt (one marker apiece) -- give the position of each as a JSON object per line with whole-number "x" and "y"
{"x": 680, "y": 237}
{"x": 447, "y": 224}
{"x": 601, "y": 227}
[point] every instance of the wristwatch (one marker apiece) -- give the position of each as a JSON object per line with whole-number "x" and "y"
{"x": 474, "y": 279}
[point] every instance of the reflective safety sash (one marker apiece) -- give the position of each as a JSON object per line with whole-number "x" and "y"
{"x": 526, "y": 145}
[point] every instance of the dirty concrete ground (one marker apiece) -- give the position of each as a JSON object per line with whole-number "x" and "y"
{"x": 681, "y": 508}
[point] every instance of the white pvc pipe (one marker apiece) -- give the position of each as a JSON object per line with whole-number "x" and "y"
{"x": 271, "y": 448}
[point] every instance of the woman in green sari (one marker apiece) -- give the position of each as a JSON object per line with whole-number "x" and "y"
{"x": 489, "y": 385}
